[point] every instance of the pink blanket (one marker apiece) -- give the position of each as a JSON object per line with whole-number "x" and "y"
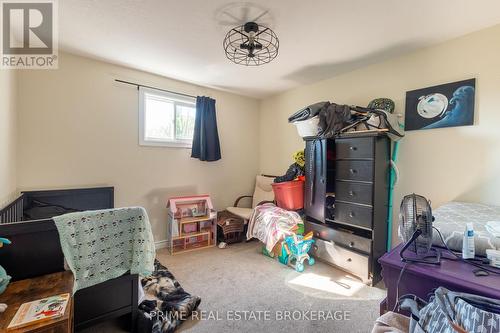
{"x": 271, "y": 224}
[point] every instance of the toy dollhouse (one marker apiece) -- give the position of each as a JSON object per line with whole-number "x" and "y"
{"x": 192, "y": 223}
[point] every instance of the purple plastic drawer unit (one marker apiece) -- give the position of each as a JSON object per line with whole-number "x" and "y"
{"x": 423, "y": 279}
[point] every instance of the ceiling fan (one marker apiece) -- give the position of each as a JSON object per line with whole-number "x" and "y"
{"x": 248, "y": 43}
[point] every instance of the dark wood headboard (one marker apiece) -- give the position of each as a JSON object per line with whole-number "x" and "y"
{"x": 35, "y": 248}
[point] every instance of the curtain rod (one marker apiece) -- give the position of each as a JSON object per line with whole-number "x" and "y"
{"x": 141, "y": 85}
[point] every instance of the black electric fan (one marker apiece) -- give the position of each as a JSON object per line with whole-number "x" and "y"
{"x": 415, "y": 228}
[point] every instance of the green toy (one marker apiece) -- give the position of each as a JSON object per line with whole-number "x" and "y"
{"x": 4, "y": 278}
{"x": 298, "y": 248}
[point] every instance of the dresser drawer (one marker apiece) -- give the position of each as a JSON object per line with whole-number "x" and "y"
{"x": 362, "y": 148}
{"x": 344, "y": 238}
{"x": 354, "y": 170}
{"x": 350, "y": 261}
{"x": 353, "y": 214}
{"x": 354, "y": 192}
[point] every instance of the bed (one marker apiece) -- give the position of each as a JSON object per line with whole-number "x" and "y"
{"x": 36, "y": 250}
{"x": 451, "y": 218}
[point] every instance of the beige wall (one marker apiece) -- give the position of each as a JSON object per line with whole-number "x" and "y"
{"x": 7, "y": 136}
{"x": 77, "y": 127}
{"x": 460, "y": 163}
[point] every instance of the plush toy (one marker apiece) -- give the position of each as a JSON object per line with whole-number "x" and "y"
{"x": 299, "y": 158}
{"x": 4, "y": 278}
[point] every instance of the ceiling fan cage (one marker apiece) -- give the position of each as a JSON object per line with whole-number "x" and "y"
{"x": 251, "y": 44}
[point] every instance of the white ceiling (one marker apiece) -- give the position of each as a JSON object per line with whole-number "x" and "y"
{"x": 318, "y": 38}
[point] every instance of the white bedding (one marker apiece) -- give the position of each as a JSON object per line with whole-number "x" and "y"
{"x": 451, "y": 218}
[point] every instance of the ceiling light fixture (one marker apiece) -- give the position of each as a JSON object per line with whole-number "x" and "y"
{"x": 251, "y": 44}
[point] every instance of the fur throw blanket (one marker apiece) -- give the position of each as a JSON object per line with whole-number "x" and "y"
{"x": 166, "y": 305}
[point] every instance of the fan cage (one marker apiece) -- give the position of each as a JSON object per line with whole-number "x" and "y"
{"x": 416, "y": 214}
{"x": 265, "y": 37}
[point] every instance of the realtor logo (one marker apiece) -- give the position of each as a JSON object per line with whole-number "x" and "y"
{"x": 29, "y": 34}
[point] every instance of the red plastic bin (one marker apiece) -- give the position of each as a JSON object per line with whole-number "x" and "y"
{"x": 289, "y": 195}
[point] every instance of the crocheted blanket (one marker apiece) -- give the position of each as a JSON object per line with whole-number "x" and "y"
{"x": 104, "y": 244}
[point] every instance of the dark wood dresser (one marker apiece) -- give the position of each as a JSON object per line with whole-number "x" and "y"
{"x": 346, "y": 201}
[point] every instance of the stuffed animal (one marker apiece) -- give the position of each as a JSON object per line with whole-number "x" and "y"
{"x": 4, "y": 278}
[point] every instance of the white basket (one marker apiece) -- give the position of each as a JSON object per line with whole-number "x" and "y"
{"x": 309, "y": 127}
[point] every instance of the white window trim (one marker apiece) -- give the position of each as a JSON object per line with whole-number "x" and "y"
{"x": 178, "y": 100}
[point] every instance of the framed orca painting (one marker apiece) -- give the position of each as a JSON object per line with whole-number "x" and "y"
{"x": 445, "y": 105}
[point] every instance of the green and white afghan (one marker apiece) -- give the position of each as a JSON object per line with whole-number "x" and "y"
{"x": 104, "y": 244}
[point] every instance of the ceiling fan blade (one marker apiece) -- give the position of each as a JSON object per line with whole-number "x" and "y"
{"x": 244, "y": 13}
{"x": 237, "y": 21}
{"x": 265, "y": 24}
{"x": 261, "y": 15}
{"x": 230, "y": 23}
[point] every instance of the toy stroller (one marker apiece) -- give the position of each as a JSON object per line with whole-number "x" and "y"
{"x": 294, "y": 251}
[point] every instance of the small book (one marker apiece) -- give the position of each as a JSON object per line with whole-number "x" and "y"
{"x": 43, "y": 309}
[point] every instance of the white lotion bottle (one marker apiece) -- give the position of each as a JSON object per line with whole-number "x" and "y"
{"x": 468, "y": 249}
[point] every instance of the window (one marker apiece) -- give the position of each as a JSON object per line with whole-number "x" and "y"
{"x": 165, "y": 119}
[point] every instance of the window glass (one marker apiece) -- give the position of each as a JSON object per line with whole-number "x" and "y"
{"x": 165, "y": 119}
{"x": 184, "y": 122}
{"x": 159, "y": 119}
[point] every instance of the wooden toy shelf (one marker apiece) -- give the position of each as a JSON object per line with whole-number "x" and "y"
{"x": 194, "y": 219}
{"x": 192, "y": 234}
{"x": 192, "y": 224}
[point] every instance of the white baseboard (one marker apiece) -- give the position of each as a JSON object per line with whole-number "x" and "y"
{"x": 161, "y": 244}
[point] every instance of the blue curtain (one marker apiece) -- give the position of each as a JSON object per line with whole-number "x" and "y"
{"x": 206, "y": 146}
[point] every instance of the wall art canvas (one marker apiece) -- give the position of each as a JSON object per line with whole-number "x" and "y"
{"x": 445, "y": 105}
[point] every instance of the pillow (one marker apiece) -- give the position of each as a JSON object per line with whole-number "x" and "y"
{"x": 263, "y": 190}
{"x": 40, "y": 210}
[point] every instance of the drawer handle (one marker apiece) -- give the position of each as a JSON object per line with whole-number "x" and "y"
{"x": 351, "y": 244}
{"x": 353, "y": 148}
{"x": 353, "y": 171}
{"x": 351, "y": 193}
{"x": 351, "y": 214}
{"x": 349, "y": 259}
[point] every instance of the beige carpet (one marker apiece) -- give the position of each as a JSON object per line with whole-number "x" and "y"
{"x": 244, "y": 291}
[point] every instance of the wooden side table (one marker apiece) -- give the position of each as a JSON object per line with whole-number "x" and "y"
{"x": 28, "y": 290}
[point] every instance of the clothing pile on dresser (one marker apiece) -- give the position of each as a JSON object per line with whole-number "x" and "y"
{"x": 166, "y": 305}
{"x": 334, "y": 119}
